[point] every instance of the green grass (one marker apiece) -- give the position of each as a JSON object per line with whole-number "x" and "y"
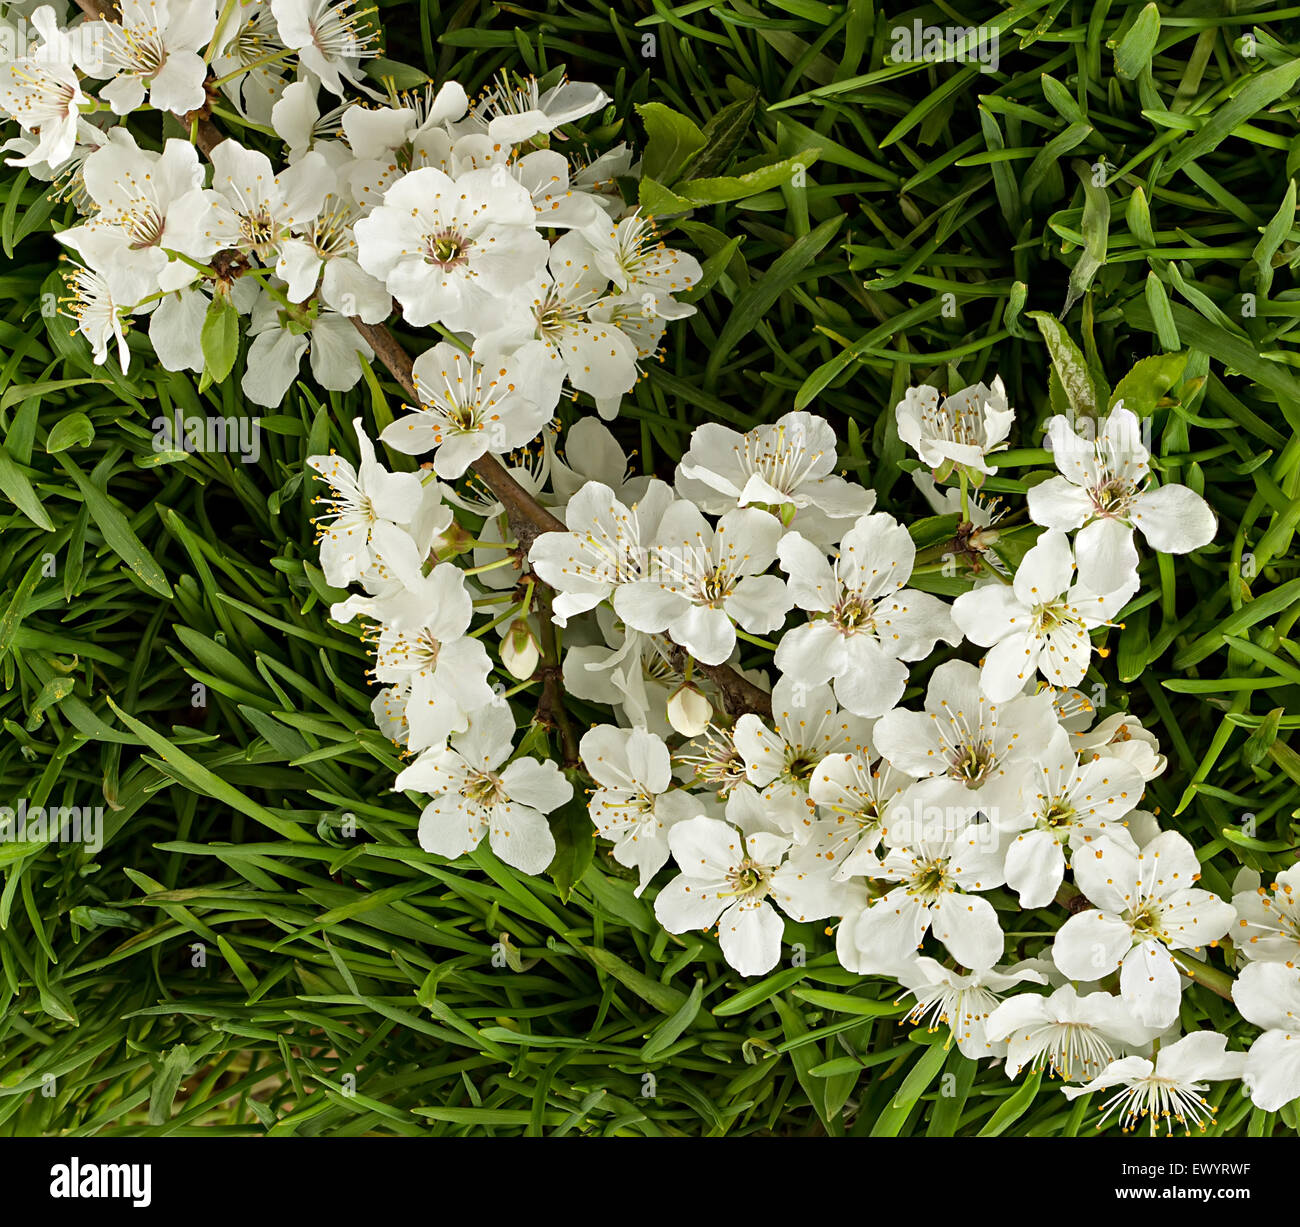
{"x": 354, "y": 984}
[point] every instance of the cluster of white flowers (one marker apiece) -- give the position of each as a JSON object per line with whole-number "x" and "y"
{"x": 910, "y": 831}
{"x": 910, "y": 834}
{"x": 461, "y": 211}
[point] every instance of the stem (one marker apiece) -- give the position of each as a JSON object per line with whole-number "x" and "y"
{"x": 1211, "y": 977}
{"x": 528, "y": 518}
{"x": 552, "y": 706}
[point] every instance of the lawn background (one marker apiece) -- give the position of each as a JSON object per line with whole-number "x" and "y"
{"x": 234, "y": 961}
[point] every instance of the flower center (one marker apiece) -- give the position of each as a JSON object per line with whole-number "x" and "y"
{"x": 258, "y": 229}
{"x": 1059, "y": 814}
{"x": 715, "y": 585}
{"x": 930, "y": 879}
{"x": 1113, "y": 496}
{"x": 972, "y": 762}
{"x": 447, "y": 249}
{"x": 483, "y": 788}
{"x": 747, "y": 880}
{"x": 1147, "y": 922}
{"x": 854, "y": 614}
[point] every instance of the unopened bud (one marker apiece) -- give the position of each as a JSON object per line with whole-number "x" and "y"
{"x": 519, "y": 650}
{"x": 689, "y": 712}
{"x": 453, "y": 542}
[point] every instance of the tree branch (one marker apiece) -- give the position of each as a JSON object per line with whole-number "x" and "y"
{"x": 528, "y": 518}
{"x": 552, "y": 708}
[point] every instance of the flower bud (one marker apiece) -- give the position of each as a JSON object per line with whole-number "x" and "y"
{"x": 519, "y": 650}
{"x": 689, "y": 712}
{"x": 452, "y": 543}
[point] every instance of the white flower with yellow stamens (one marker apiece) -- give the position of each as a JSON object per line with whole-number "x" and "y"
{"x": 785, "y": 468}
{"x": 1073, "y": 1036}
{"x": 1168, "y": 1090}
{"x": 1104, "y": 492}
{"x": 453, "y": 251}
{"x": 329, "y": 37}
{"x": 472, "y": 795}
{"x": 1147, "y": 907}
{"x": 957, "y": 431}
{"x": 869, "y": 622}
{"x": 634, "y": 804}
{"x": 471, "y": 405}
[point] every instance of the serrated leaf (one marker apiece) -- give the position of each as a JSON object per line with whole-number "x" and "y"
{"x": 1068, "y": 363}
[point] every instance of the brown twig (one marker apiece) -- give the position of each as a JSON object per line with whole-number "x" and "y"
{"x": 97, "y": 9}
{"x": 528, "y": 518}
{"x": 551, "y": 709}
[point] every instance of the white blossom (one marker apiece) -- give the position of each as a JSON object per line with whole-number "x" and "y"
{"x": 704, "y": 581}
{"x": 472, "y": 795}
{"x": 472, "y": 404}
{"x": 1074, "y": 1036}
{"x": 730, "y": 879}
{"x": 1104, "y": 492}
{"x": 1040, "y": 622}
{"x": 1268, "y": 995}
{"x": 634, "y": 804}
{"x": 452, "y": 251}
{"x": 1147, "y": 906}
{"x": 961, "y": 430}
{"x": 1168, "y": 1090}
{"x": 786, "y": 468}
{"x": 872, "y": 621}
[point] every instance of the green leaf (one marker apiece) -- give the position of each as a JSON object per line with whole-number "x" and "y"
{"x": 1133, "y": 55}
{"x": 220, "y": 338}
{"x": 1068, "y": 363}
{"x": 786, "y": 270}
{"x": 671, "y": 1029}
{"x": 739, "y": 187}
{"x": 1278, "y": 228}
{"x": 671, "y": 140}
{"x": 167, "y": 1082}
{"x": 1260, "y": 90}
{"x": 1142, "y": 389}
{"x": 575, "y": 839}
{"x": 659, "y": 201}
{"x": 75, "y": 430}
{"x": 1261, "y": 740}
{"x": 722, "y": 136}
{"x": 117, "y": 532}
{"x": 18, "y": 490}
{"x": 891, "y": 1121}
{"x": 1096, "y": 228}
{"x": 663, "y": 997}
